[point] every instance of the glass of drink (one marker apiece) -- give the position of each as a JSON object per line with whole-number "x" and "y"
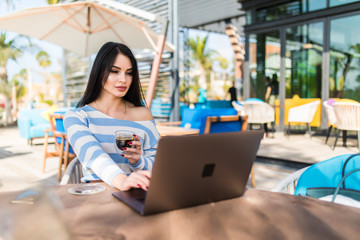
{"x": 122, "y": 139}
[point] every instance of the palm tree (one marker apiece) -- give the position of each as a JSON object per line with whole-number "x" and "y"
{"x": 8, "y": 51}
{"x": 18, "y": 83}
{"x": 204, "y": 57}
{"x": 44, "y": 61}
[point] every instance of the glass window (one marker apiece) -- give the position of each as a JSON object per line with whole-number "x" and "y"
{"x": 334, "y": 3}
{"x": 248, "y": 17}
{"x": 264, "y": 65}
{"x": 303, "y": 60}
{"x": 292, "y": 8}
{"x": 345, "y": 58}
{"x": 278, "y": 11}
{"x": 313, "y": 5}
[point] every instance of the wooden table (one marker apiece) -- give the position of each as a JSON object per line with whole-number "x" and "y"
{"x": 174, "y": 130}
{"x": 256, "y": 215}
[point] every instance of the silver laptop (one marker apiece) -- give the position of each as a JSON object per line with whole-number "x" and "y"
{"x": 193, "y": 170}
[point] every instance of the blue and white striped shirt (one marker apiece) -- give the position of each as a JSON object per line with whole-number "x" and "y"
{"x": 91, "y": 134}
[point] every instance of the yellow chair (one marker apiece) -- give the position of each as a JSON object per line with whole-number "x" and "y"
{"x": 297, "y": 101}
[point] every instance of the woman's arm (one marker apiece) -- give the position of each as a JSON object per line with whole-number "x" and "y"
{"x": 88, "y": 149}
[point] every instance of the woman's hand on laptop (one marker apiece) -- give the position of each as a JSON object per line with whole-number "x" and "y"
{"x": 133, "y": 153}
{"x": 138, "y": 179}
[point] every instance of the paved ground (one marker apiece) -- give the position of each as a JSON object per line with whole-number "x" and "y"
{"x": 21, "y": 164}
{"x": 302, "y": 148}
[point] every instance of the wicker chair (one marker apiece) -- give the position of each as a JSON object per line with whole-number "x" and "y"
{"x": 73, "y": 173}
{"x": 302, "y": 114}
{"x": 331, "y": 118}
{"x": 347, "y": 119}
{"x": 260, "y": 113}
{"x": 288, "y": 184}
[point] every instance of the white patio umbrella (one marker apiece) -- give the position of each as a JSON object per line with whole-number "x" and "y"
{"x": 83, "y": 27}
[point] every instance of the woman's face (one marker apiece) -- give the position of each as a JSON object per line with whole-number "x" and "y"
{"x": 120, "y": 77}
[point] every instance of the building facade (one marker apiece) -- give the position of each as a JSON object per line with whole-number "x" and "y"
{"x": 309, "y": 48}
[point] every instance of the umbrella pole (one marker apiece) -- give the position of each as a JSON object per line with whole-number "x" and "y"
{"x": 155, "y": 68}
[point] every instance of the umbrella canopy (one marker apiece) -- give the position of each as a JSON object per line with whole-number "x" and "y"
{"x": 81, "y": 27}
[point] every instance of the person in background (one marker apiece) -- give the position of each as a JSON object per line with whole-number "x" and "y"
{"x": 202, "y": 97}
{"x": 274, "y": 89}
{"x": 267, "y": 89}
{"x": 232, "y": 92}
{"x": 112, "y": 101}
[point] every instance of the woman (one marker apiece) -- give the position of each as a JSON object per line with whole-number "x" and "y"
{"x": 113, "y": 101}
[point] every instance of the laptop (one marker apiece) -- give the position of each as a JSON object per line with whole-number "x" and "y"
{"x": 193, "y": 170}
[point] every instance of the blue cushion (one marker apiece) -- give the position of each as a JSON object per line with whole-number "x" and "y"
{"x": 34, "y": 115}
{"x": 254, "y": 99}
{"x": 221, "y": 127}
{"x": 328, "y": 174}
{"x": 59, "y": 126}
{"x": 59, "y": 123}
{"x": 200, "y": 105}
{"x": 58, "y": 140}
{"x": 31, "y": 123}
{"x": 182, "y": 107}
{"x": 38, "y": 130}
{"x": 196, "y": 118}
{"x": 218, "y": 104}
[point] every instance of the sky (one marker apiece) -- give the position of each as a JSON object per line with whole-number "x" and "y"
{"x": 28, "y": 59}
{"x": 219, "y": 42}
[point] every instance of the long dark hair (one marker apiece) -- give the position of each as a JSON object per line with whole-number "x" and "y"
{"x": 100, "y": 71}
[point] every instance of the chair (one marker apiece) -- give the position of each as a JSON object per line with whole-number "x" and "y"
{"x": 217, "y": 124}
{"x": 347, "y": 119}
{"x": 73, "y": 173}
{"x": 195, "y": 118}
{"x": 62, "y": 147}
{"x": 302, "y": 114}
{"x": 288, "y": 184}
{"x": 260, "y": 113}
{"x": 239, "y": 106}
{"x": 331, "y": 117}
{"x": 329, "y": 173}
{"x": 31, "y": 124}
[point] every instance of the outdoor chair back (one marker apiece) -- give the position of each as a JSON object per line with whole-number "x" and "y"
{"x": 347, "y": 118}
{"x": 302, "y": 114}
{"x": 325, "y": 176}
{"x": 329, "y": 110}
{"x": 220, "y": 124}
{"x": 288, "y": 184}
{"x": 260, "y": 112}
{"x": 73, "y": 173}
{"x": 239, "y": 106}
{"x": 62, "y": 147}
{"x": 347, "y": 115}
{"x": 196, "y": 118}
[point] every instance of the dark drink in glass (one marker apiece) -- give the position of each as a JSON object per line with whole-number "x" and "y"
{"x": 122, "y": 139}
